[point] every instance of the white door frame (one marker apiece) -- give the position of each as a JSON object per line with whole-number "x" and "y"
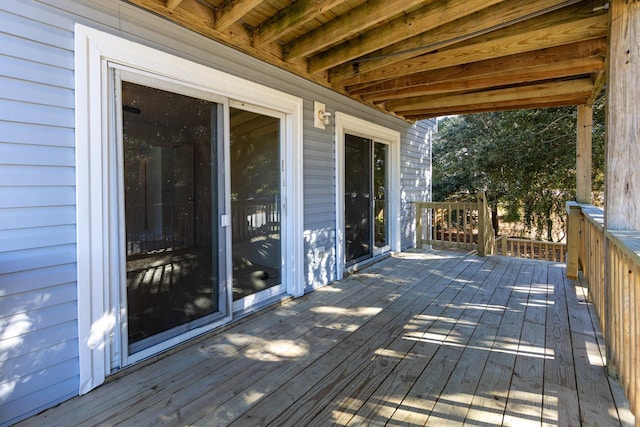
{"x": 96, "y": 233}
{"x": 355, "y": 126}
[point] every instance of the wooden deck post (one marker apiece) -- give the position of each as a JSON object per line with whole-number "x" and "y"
{"x": 622, "y": 179}
{"x": 583, "y": 154}
{"x": 419, "y": 239}
{"x": 573, "y": 239}
{"x": 486, "y": 238}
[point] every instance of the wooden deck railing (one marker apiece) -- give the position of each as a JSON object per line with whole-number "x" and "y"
{"x": 455, "y": 224}
{"x": 610, "y": 262}
{"x": 532, "y": 249}
{"x": 468, "y": 225}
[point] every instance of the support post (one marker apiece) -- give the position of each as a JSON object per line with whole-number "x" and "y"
{"x": 418, "y": 207}
{"x": 573, "y": 239}
{"x": 486, "y": 237}
{"x": 583, "y": 154}
{"x": 622, "y": 179}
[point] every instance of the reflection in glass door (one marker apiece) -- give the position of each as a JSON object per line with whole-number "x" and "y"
{"x": 170, "y": 195}
{"x": 255, "y": 203}
{"x": 365, "y": 192}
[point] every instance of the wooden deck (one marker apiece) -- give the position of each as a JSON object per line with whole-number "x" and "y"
{"x": 422, "y": 338}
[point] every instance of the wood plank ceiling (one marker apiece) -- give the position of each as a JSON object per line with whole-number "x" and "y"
{"x": 419, "y": 59}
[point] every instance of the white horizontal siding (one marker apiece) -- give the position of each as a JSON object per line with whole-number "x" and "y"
{"x": 23, "y": 26}
{"x": 29, "y": 259}
{"x": 415, "y": 176}
{"x": 36, "y": 134}
{"x": 25, "y": 49}
{"x": 33, "y": 403}
{"x": 43, "y": 155}
{"x": 30, "y": 300}
{"x": 35, "y": 93}
{"x": 38, "y": 114}
{"x": 22, "y": 218}
{"x": 37, "y": 237}
{"x": 36, "y": 280}
{"x": 21, "y": 175}
{"x": 38, "y": 308}
{"x": 20, "y": 325}
{"x": 39, "y": 340}
{"x": 41, "y": 196}
{"x": 30, "y": 71}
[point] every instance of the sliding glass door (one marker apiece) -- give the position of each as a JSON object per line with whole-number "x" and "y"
{"x": 255, "y": 203}
{"x": 169, "y": 145}
{"x": 365, "y": 193}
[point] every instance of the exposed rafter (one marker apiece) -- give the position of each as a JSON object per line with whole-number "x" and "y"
{"x": 418, "y": 58}
{"x": 542, "y": 90}
{"x": 365, "y": 16}
{"x": 512, "y": 63}
{"x": 587, "y": 29}
{"x": 232, "y": 11}
{"x": 290, "y": 19}
{"x": 465, "y": 27}
{"x": 432, "y": 15}
{"x": 172, "y": 4}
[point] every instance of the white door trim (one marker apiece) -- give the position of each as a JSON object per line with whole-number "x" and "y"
{"x": 355, "y": 126}
{"x": 94, "y": 50}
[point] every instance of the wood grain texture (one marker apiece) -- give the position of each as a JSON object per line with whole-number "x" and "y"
{"x": 424, "y": 337}
{"x": 623, "y": 136}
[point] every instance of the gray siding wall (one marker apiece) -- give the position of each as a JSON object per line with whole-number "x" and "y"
{"x": 38, "y": 328}
{"x": 38, "y": 321}
{"x": 415, "y": 176}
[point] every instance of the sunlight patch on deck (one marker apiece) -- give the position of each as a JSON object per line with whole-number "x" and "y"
{"x": 352, "y": 312}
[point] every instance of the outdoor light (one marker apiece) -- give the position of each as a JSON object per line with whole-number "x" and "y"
{"x": 321, "y": 117}
{"x": 324, "y": 117}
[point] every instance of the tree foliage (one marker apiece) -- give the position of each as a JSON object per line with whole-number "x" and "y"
{"x": 524, "y": 160}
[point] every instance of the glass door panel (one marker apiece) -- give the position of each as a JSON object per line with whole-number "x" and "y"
{"x": 380, "y": 210}
{"x": 255, "y": 202}
{"x": 357, "y": 195}
{"x": 170, "y": 195}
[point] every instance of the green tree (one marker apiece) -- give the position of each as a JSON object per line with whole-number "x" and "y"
{"x": 524, "y": 160}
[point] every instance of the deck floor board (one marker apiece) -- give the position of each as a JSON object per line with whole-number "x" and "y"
{"x": 421, "y": 338}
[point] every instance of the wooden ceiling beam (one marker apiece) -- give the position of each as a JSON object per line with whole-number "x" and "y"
{"x": 291, "y": 18}
{"x": 172, "y": 4}
{"x": 367, "y": 15}
{"x": 465, "y": 27}
{"x": 200, "y": 18}
{"x": 549, "y": 102}
{"x": 511, "y": 44}
{"x": 232, "y": 11}
{"x": 513, "y": 63}
{"x": 540, "y": 90}
{"x": 431, "y": 16}
{"x": 559, "y": 70}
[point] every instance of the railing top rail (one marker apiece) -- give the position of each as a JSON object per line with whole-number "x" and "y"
{"x": 593, "y": 214}
{"x": 627, "y": 241}
{"x": 446, "y": 205}
{"x": 535, "y": 242}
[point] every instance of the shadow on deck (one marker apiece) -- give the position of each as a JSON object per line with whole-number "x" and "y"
{"x": 421, "y": 338}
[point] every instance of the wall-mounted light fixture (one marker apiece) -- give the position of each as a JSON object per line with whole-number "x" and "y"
{"x": 321, "y": 118}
